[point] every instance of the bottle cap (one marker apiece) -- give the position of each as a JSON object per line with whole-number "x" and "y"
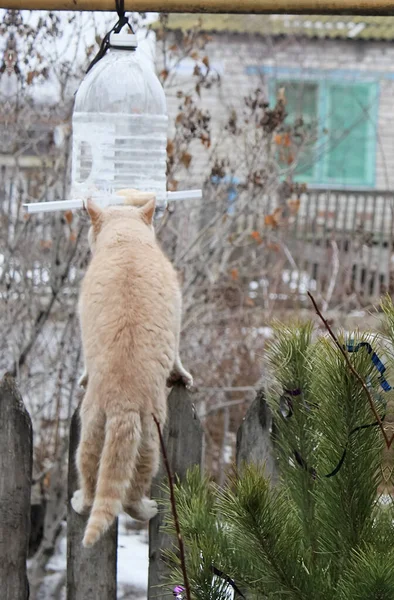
{"x": 123, "y": 40}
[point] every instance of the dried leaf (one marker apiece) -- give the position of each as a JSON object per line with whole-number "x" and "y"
{"x": 164, "y": 74}
{"x": 234, "y": 274}
{"x": 194, "y": 55}
{"x": 73, "y": 236}
{"x": 205, "y": 61}
{"x": 270, "y": 221}
{"x": 277, "y": 213}
{"x": 249, "y": 302}
{"x": 68, "y": 215}
{"x": 257, "y": 237}
{"x": 170, "y": 148}
{"x": 179, "y": 118}
{"x": 173, "y": 185}
{"x": 173, "y": 48}
{"x": 186, "y": 159}
{"x": 205, "y": 140}
{"x": 30, "y": 76}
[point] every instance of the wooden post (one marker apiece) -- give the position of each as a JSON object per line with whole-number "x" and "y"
{"x": 255, "y": 438}
{"x": 91, "y": 572}
{"x": 183, "y": 441}
{"x": 333, "y": 7}
{"x": 16, "y": 443}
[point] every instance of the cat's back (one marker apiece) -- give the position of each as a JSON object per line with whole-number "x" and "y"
{"x": 128, "y": 270}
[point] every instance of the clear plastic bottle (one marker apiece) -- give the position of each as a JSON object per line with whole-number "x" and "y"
{"x": 120, "y": 126}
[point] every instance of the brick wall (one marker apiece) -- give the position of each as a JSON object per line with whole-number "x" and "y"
{"x": 351, "y": 60}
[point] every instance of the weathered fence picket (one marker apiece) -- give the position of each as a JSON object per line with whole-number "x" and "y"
{"x": 91, "y": 572}
{"x": 255, "y": 437}
{"x": 16, "y": 448}
{"x": 183, "y": 439}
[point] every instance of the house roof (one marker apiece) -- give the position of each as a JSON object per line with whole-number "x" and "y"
{"x": 313, "y": 26}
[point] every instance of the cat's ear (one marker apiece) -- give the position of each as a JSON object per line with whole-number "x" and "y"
{"x": 94, "y": 213}
{"x": 148, "y": 210}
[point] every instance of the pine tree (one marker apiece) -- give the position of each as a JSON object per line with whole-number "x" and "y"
{"x": 322, "y": 533}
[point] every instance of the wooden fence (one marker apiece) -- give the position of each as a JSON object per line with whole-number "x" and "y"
{"x": 91, "y": 573}
{"x": 343, "y": 242}
{"x": 338, "y": 243}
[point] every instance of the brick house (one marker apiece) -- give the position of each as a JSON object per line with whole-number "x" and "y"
{"x": 338, "y": 73}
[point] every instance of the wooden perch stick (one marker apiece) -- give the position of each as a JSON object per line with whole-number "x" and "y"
{"x": 333, "y": 7}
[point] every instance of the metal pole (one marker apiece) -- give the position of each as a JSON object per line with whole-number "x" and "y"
{"x": 335, "y": 7}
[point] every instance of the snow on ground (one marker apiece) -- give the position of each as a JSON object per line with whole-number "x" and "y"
{"x": 133, "y": 552}
{"x": 133, "y": 560}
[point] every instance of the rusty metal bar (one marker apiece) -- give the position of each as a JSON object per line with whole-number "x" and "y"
{"x": 334, "y": 7}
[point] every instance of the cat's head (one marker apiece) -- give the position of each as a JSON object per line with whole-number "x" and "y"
{"x": 100, "y": 217}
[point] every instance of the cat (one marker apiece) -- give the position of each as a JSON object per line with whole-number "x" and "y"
{"x": 130, "y": 316}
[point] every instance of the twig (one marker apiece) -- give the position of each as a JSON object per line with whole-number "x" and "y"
{"x": 174, "y": 511}
{"x": 388, "y": 440}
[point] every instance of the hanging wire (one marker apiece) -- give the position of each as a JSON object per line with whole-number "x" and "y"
{"x": 121, "y": 22}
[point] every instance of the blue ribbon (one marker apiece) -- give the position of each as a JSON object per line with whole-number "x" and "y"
{"x": 384, "y": 384}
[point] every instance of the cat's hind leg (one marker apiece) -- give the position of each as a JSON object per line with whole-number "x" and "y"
{"x": 138, "y": 505}
{"x": 88, "y": 454}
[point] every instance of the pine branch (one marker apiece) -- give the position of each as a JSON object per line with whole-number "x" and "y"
{"x": 388, "y": 440}
{"x": 174, "y": 511}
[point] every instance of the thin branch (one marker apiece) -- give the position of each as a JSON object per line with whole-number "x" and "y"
{"x": 388, "y": 440}
{"x": 174, "y": 511}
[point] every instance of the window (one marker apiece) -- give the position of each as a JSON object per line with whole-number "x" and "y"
{"x": 336, "y": 145}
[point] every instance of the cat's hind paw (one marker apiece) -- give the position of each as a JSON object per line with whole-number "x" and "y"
{"x": 79, "y": 504}
{"x": 142, "y": 510}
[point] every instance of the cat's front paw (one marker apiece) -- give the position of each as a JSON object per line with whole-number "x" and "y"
{"x": 83, "y": 380}
{"x": 79, "y": 504}
{"x": 180, "y": 376}
{"x": 142, "y": 510}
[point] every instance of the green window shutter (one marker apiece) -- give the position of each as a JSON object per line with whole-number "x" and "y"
{"x": 349, "y": 151}
{"x": 302, "y": 103}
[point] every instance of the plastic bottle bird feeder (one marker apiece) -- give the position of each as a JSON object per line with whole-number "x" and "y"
{"x": 119, "y": 130}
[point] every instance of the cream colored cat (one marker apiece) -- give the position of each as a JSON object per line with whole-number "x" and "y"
{"x": 130, "y": 313}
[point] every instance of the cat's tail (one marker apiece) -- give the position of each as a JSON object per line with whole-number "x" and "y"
{"x": 117, "y": 464}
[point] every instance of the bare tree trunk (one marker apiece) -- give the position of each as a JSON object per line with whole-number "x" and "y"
{"x": 16, "y": 439}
